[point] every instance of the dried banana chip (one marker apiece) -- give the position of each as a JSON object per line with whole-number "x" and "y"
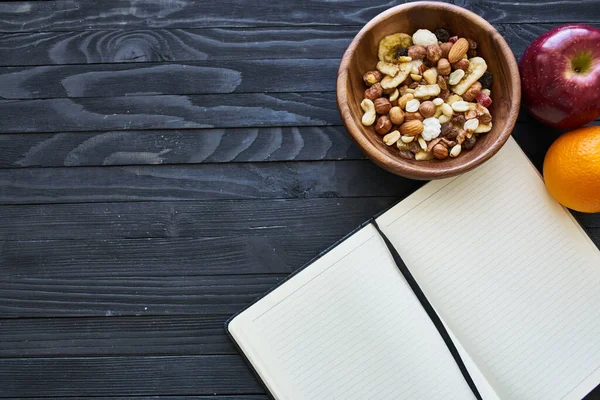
{"x": 477, "y": 67}
{"x": 389, "y": 45}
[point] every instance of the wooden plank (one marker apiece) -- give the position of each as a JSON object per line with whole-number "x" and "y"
{"x": 156, "y": 257}
{"x": 126, "y": 376}
{"x": 158, "y": 45}
{"x": 201, "y": 182}
{"x": 184, "y": 397}
{"x": 103, "y": 336}
{"x": 185, "y": 45}
{"x": 188, "y": 146}
{"x": 188, "y": 219}
{"x": 114, "y": 80}
{"x": 169, "y": 112}
{"x": 204, "y": 146}
{"x": 91, "y": 15}
{"x": 55, "y": 296}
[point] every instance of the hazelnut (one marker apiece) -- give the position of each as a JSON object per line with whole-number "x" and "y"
{"x": 382, "y": 106}
{"x": 427, "y": 109}
{"x": 444, "y": 67}
{"x": 372, "y": 77}
{"x": 409, "y": 116}
{"x": 440, "y": 151}
{"x": 417, "y": 52}
{"x": 389, "y": 91}
{"x": 434, "y": 53}
{"x": 472, "y": 91}
{"x": 383, "y": 125}
{"x": 463, "y": 64}
{"x": 374, "y": 92}
{"x": 396, "y": 115}
{"x": 446, "y": 49}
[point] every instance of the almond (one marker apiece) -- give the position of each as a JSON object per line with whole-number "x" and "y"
{"x": 411, "y": 128}
{"x": 458, "y": 50}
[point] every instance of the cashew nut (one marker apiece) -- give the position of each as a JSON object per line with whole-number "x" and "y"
{"x": 368, "y": 117}
{"x": 426, "y": 91}
{"x": 387, "y": 68}
{"x": 477, "y": 67}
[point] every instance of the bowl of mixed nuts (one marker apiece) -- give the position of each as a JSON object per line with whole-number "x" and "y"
{"x": 428, "y": 90}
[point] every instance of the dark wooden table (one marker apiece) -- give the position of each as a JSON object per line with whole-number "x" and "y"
{"x": 163, "y": 163}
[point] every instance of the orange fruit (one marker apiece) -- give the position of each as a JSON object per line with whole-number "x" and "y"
{"x": 572, "y": 169}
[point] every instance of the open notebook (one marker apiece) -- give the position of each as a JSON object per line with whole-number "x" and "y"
{"x": 511, "y": 274}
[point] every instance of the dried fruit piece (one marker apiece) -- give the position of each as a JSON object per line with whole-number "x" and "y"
{"x": 477, "y": 67}
{"x": 406, "y": 154}
{"x": 426, "y": 91}
{"x": 424, "y": 155}
{"x": 482, "y": 128}
{"x": 486, "y": 80}
{"x": 458, "y": 50}
{"x": 402, "y": 52}
{"x": 403, "y": 70}
{"x": 442, "y": 35}
{"x": 389, "y": 45}
{"x": 469, "y": 143}
{"x": 453, "y": 39}
{"x": 483, "y": 99}
{"x": 387, "y": 68}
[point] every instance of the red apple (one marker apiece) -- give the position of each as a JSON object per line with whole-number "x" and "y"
{"x": 560, "y": 74}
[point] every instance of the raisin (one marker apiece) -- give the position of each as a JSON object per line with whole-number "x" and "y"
{"x": 442, "y": 35}
{"x": 469, "y": 143}
{"x": 414, "y": 146}
{"x": 446, "y": 128}
{"x": 402, "y": 52}
{"x": 486, "y": 80}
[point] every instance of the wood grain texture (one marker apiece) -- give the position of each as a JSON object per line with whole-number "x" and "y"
{"x": 55, "y": 296}
{"x": 20, "y": 16}
{"x": 194, "y": 146}
{"x": 189, "y": 146}
{"x": 114, "y": 80}
{"x": 201, "y": 182}
{"x": 119, "y": 376}
{"x": 177, "y": 45}
{"x": 184, "y": 397}
{"x": 102, "y": 336}
{"x": 217, "y": 44}
{"x": 168, "y": 112}
{"x": 188, "y": 219}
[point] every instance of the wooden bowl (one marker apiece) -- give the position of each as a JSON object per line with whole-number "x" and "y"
{"x": 361, "y": 56}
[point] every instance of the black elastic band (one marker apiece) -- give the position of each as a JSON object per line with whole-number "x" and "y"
{"x": 430, "y": 311}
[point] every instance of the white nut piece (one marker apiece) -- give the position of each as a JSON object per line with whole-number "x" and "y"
{"x": 447, "y": 110}
{"x": 413, "y": 105}
{"x": 437, "y": 101}
{"x": 443, "y": 119}
{"x": 368, "y": 117}
{"x": 482, "y": 128}
{"x": 486, "y": 91}
{"x": 454, "y": 77}
{"x": 414, "y": 70}
{"x": 477, "y": 67}
{"x": 430, "y": 76}
{"x": 431, "y": 128}
{"x": 407, "y": 139}
{"x": 424, "y": 155}
{"x": 471, "y": 124}
{"x": 438, "y": 111}
{"x": 391, "y": 138}
{"x": 422, "y": 143}
{"x": 426, "y": 91}
{"x": 387, "y": 68}
{"x": 401, "y": 145}
{"x": 415, "y": 77}
{"x": 404, "y": 59}
{"x": 424, "y": 37}
{"x": 460, "y": 106}
{"x": 395, "y": 94}
{"x": 455, "y": 150}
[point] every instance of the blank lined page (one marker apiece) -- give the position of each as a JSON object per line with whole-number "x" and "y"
{"x": 512, "y": 274}
{"x": 348, "y": 327}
